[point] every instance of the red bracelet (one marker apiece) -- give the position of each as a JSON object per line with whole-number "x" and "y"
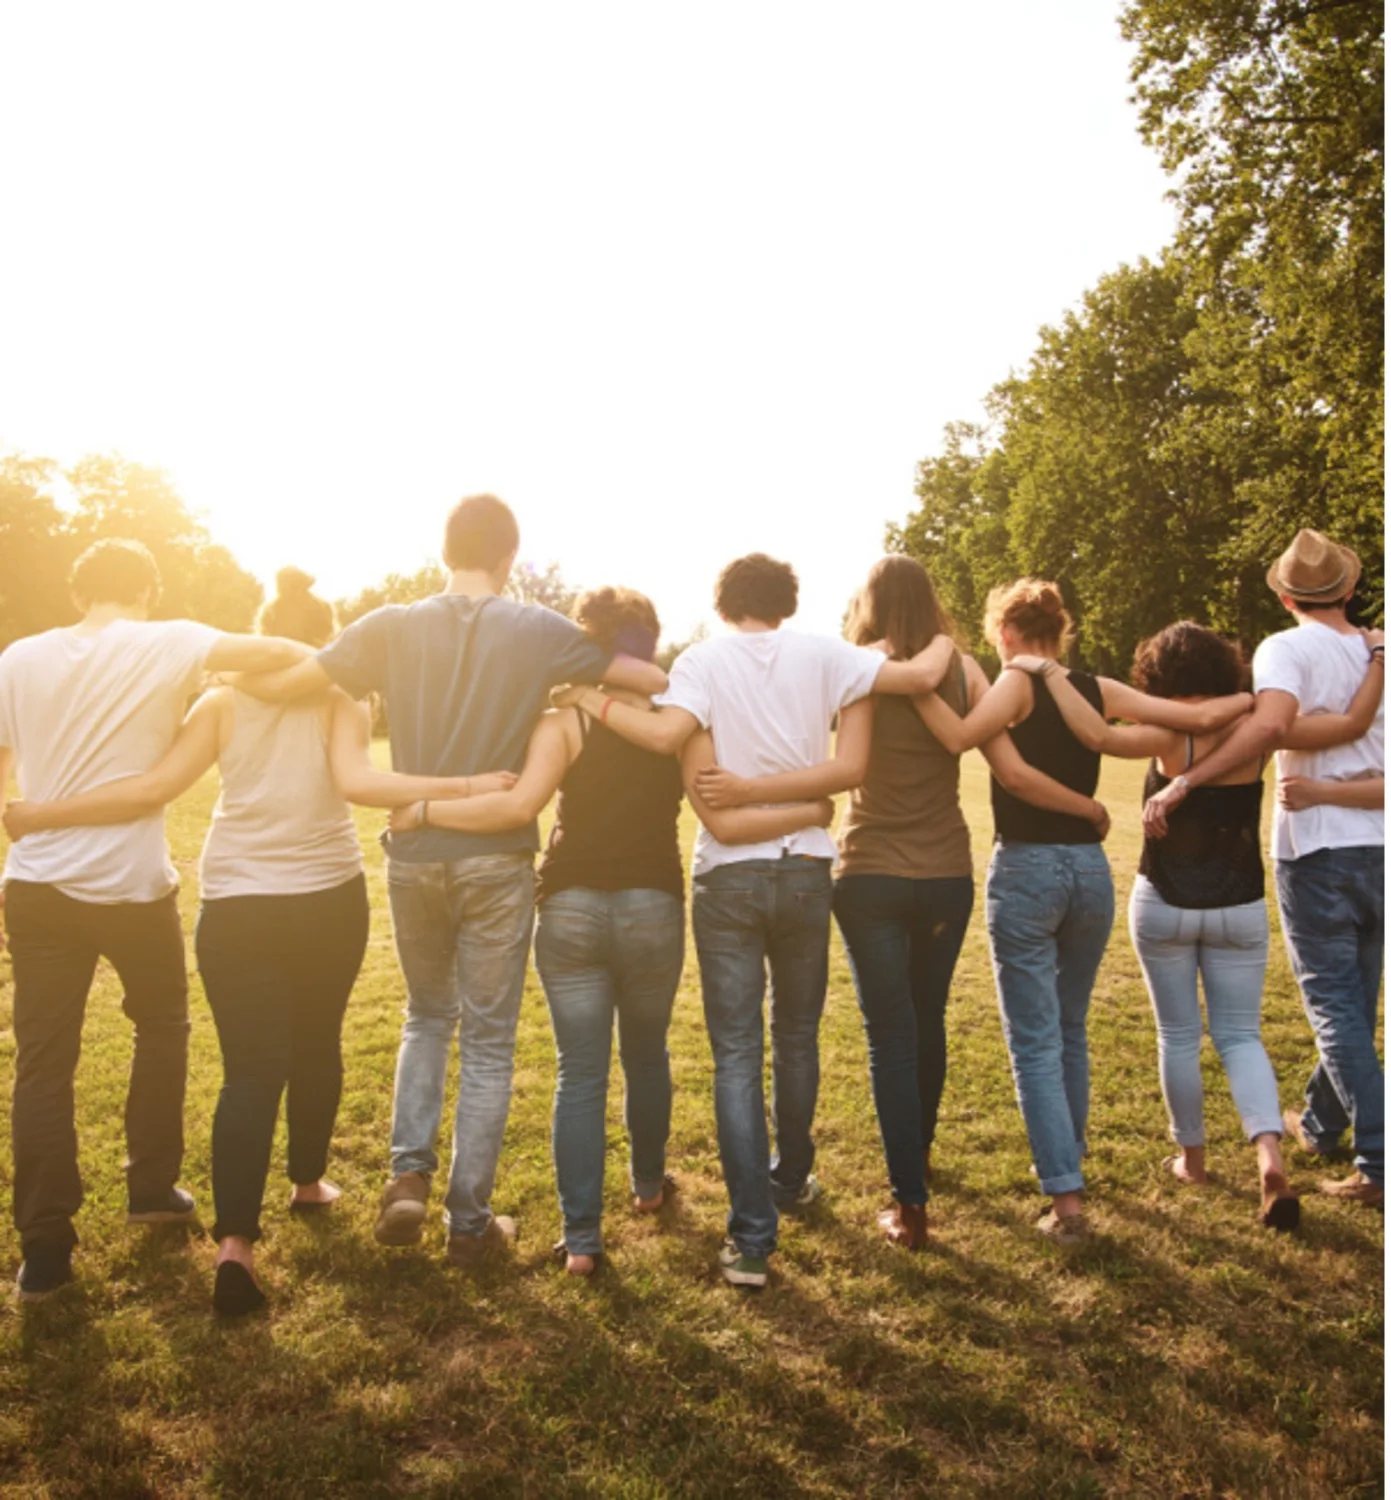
{"x": 604, "y": 711}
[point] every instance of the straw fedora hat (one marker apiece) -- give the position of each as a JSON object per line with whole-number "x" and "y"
{"x": 1314, "y": 570}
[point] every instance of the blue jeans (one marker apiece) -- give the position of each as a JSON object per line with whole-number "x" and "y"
{"x": 1049, "y": 909}
{"x": 601, "y": 954}
{"x": 903, "y": 937}
{"x": 1227, "y": 945}
{"x": 463, "y": 930}
{"x": 1333, "y": 910}
{"x": 754, "y": 919}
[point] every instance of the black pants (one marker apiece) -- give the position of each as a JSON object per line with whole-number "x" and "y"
{"x": 278, "y": 971}
{"x": 55, "y": 942}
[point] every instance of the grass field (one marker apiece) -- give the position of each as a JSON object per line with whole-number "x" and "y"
{"x": 1185, "y": 1352}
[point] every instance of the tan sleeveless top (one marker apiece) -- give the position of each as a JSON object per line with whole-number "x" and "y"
{"x": 905, "y": 819}
{"x": 279, "y": 828}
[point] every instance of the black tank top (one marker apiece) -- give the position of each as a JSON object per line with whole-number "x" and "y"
{"x": 1045, "y": 742}
{"x": 615, "y": 821}
{"x": 1211, "y": 855}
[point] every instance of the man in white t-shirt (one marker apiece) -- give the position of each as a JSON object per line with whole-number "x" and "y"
{"x": 762, "y": 911}
{"x": 79, "y": 707}
{"x": 1328, "y": 838}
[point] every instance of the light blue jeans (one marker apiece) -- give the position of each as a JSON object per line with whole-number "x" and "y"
{"x": 1049, "y": 910}
{"x": 1227, "y": 945}
{"x": 1333, "y": 909}
{"x": 463, "y": 930}
{"x": 602, "y": 954}
{"x": 755, "y": 921}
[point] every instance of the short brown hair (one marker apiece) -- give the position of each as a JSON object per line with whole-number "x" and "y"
{"x": 1033, "y": 608}
{"x": 1187, "y": 660}
{"x": 296, "y": 612}
{"x": 898, "y": 604}
{"x": 756, "y": 587}
{"x": 620, "y": 620}
{"x": 480, "y": 534}
{"x": 115, "y": 571}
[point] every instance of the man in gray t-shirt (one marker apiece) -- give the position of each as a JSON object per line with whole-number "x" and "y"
{"x": 465, "y": 675}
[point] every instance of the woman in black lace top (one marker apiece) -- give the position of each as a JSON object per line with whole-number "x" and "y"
{"x": 1198, "y": 905}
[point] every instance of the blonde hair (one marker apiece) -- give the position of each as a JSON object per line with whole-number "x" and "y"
{"x": 296, "y": 612}
{"x": 1033, "y": 608}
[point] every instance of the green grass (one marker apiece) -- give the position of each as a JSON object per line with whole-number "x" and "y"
{"x": 1186, "y": 1352}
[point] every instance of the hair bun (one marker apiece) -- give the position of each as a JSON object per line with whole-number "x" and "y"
{"x": 290, "y": 582}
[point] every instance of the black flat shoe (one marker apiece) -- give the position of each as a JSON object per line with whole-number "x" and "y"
{"x": 235, "y": 1292}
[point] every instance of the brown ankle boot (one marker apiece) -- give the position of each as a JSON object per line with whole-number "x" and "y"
{"x": 905, "y": 1224}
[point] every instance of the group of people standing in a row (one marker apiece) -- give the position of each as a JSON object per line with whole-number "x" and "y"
{"x": 90, "y": 717}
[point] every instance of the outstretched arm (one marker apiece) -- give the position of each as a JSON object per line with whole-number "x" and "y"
{"x": 662, "y": 730}
{"x": 194, "y": 750}
{"x": 302, "y": 680}
{"x": 745, "y": 825}
{"x": 1031, "y": 785}
{"x": 1321, "y": 731}
{"x": 636, "y": 675}
{"x": 1121, "y": 701}
{"x": 845, "y": 769}
{"x": 254, "y": 653}
{"x": 548, "y": 756}
{"x": 1298, "y": 792}
{"x": 1131, "y": 741}
{"x": 359, "y": 781}
{"x": 998, "y": 708}
{"x": 922, "y": 673}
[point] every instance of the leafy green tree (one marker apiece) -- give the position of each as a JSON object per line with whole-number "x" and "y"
{"x": 530, "y": 584}
{"x": 35, "y": 550}
{"x": 395, "y": 588}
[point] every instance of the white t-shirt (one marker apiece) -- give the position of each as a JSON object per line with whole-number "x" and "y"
{"x": 768, "y": 698}
{"x": 1323, "y": 668}
{"x": 80, "y": 710}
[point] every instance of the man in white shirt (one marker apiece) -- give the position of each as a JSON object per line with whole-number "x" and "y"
{"x": 1328, "y": 850}
{"x": 763, "y": 911}
{"x": 79, "y": 707}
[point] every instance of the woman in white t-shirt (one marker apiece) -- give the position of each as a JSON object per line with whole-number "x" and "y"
{"x": 283, "y": 924}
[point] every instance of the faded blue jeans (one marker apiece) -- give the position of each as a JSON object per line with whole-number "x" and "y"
{"x": 601, "y": 954}
{"x": 1049, "y": 910}
{"x": 463, "y": 931}
{"x": 1333, "y": 910}
{"x": 755, "y": 920}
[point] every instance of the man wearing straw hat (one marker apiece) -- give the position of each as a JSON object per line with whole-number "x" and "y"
{"x": 1328, "y": 839}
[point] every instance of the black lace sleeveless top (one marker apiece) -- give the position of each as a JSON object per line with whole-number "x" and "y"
{"x": 1211, "y": 855}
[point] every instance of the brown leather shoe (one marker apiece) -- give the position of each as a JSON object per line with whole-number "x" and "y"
{"x": 905, "y": 1224}
{"x": 1358, "y": 1188}
{"x": 469, "y": 1250}
{"x": 402, "y": 1214}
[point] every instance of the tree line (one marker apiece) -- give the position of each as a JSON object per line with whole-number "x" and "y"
{"x": 1171, "y": 433}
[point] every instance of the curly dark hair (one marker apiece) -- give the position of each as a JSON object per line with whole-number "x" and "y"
{"x": 619, "y": 620}
{"x": 756, "y": 587}
{"x": 115, "y": 571}
{"x": 1187, "y": 660}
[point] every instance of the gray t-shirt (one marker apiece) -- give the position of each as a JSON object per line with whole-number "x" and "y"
{"x": 464, "y": 681}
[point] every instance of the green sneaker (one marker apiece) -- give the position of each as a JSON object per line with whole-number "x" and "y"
{"x": 742, "y": 1270}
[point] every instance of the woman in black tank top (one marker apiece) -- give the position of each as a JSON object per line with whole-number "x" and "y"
{"x": 1198, "y": 904}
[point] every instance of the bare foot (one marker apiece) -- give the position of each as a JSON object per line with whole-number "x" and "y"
{"x": 652, "y": 1205}
{"x": 580, "y": 1265}
{"x": 234, "y": 1247}
{"x": 321, "y": 1193}
{"x": 1187, "y": 1170}
{"x": 1279, "y": 1204}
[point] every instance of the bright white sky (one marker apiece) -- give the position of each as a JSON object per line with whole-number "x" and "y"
{"x": 676, "y": 282}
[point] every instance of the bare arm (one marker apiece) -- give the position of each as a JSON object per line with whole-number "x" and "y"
{"x": 303, "y": 680}
{"x": 662, "y": 730}
{"x": 923, "y": 673}
{"x": 359, "y": 781}
{"x": 745, "y": 825}
{"x": 194, "y": 750}
{"x": 1298, "y": 792}
{"x": 1253, "y": 738}
{"x": 255, "y": 653}
{"x": 548, "y": 756}
{"x": 636, "y": 675}
{"x": 845, "y": 769}
{"x": 1031, "y": 785}
{"x": 1121, "y": 701}
{"x": 1128, "y": 741}
{"x": 1002, "y": 705}
{"x": 1321, "y": 731}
